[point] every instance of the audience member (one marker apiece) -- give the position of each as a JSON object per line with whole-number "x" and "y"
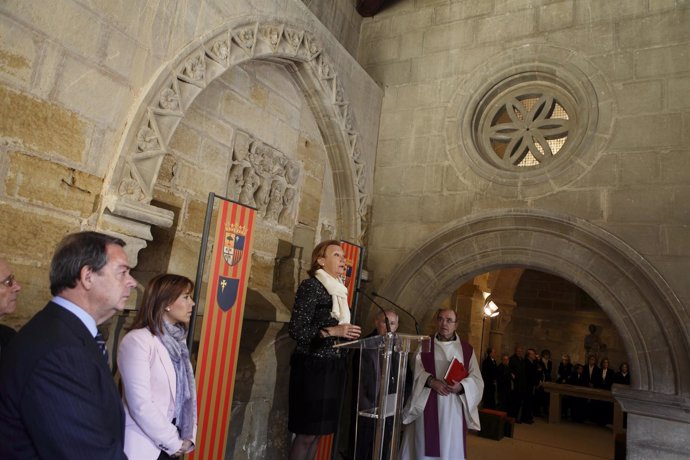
{"x": 9, "y": 288}
{"x": 592, "y": 373}
{"x": 519, "y": 384}
{"x": 578, "y": 406}
{"x": 489, "y": 375}
{"x": 603, "y": 410}
{"x": 622, "y": 377}
{"x": 439, "y": 413}
{"x": 565, "y": 369}
{"x": 504, "y": 383}
{"x": 317, "y": 370}
{"x": 157, "y": 375}
{"x": 59, "y": 400}
{"x": 532, "y": 381}
{"x": 542, "y": 397}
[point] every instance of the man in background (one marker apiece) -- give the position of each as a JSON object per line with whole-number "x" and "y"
{"x": 59, "y": 400}
{"x": 9, "y": 288}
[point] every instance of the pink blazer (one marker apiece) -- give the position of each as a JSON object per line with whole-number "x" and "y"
{"x": 148, "y": 378}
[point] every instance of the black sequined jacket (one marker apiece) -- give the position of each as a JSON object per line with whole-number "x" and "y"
{"x": 311, "y": 312}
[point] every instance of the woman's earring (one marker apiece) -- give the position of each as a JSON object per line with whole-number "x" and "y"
{"x": 167, "y": 308}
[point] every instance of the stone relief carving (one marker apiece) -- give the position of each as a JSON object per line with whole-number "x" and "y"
{"x": 263, "y": 177}
{"x": 146, "y": 146}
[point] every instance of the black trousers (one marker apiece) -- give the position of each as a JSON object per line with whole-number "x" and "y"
{"x": 164, "y": 456}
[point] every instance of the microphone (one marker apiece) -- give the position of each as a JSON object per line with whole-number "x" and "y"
{"x": 416, "y": 324}
{"x": 385, "y": 316}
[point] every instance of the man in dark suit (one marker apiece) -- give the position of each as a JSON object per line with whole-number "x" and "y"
{"x": 519, "y": 384}
{"x": 58, "y": 398}
{"x": 9, "y": 288}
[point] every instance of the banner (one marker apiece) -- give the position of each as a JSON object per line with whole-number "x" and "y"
{"x": 222, "y": 326}
{"x": 353, "y": 272}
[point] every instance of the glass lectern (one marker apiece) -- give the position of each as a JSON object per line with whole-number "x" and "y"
{"x": 382, "y": 368}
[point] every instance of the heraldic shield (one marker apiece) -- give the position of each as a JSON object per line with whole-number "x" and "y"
{"x": 233, "y": 247}
{"x": 226, "y": 295}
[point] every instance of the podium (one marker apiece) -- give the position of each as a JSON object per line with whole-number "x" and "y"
{"x": 381, "y": 374}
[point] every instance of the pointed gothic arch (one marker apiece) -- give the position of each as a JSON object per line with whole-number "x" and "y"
{"x": 128, "y": 189}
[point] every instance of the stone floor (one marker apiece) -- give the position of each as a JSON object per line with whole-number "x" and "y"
{"x": 563, "y": 441}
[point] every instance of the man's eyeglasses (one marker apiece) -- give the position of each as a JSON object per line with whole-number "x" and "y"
{"x": 9, "y": 281}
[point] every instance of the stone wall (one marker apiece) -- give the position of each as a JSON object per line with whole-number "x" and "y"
{"x": 341, "y": 18}
{"x": 444, "y": 66}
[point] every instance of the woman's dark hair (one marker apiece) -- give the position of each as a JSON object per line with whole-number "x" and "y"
{"x": 318, "y": 252}
{"x": 162, "y": 291}
{"x": 76, "y": 251}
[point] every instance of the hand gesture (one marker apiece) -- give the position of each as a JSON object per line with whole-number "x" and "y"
{"x": 346, "y": 331}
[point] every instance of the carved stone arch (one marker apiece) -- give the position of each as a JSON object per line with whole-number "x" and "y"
{"x": 126, "y": 208}
{"x": 649, "y": 317}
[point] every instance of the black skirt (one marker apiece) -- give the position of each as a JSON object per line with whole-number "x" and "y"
{"x": 316, "y": 391}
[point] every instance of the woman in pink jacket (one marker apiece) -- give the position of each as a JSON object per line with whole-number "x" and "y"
{"x": 157, "y": 375}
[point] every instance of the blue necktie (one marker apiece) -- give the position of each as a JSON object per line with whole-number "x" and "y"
{"x": 100, "y": 341}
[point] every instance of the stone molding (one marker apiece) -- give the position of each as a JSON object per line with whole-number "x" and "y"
{"x": 648, "y": 315}
{"x": 174, "y": 89}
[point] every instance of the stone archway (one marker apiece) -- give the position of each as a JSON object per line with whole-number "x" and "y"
{"x": 647, "y": 314}
{"x": 128, "y": 190}
{"x": 649, "y": 317}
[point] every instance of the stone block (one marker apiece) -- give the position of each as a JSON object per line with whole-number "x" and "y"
{"x": 186, "y": 141}
{"x": 63, "y": 20}
{"x": 210, "y": 126}
{"x": 396, "y": 125}
{"x": 642, "y": 205}
{"x": 678, "y": 93}
{"x": 588, "y": 39}
{"x": 444, "y": 208}
{"x": 646, "y": 239}
{"x": 586, "y": 204}
{"x": 391, "y": 74}
{"x": 275, "y": 79}
{"x": 617, "y": 66}
{"x": 381, "y": 50}
{"x": 188, "y": 177}
{"x": 309, "y": 204}
{"x": 388, "y": 180}
{"x": 433, "y": 178}
{"x": 411, "y": 45}
{"x": 121, "y": 52}
{"x": 659, "y": 5}
{"x": 184, "y": 255}
{"x": 194, "y": 217}
{"x": 506, "y": 27}
{"x": 241, "y": 112}
{"x": 428, "y": 121}
{"x": 655, "y": 30}
{"x": 63, "y": 188}
{"x": 31, "y": 232}
{"x": 448, "y": 36}
{"x": 405, "y": 208}
{"x": 645, "y": 131}
{"x": 639, "y": 97}
{"x": 210, "y": 98}
{"x": 676, "y": 239}
{"x": 17, "y": 52}
{"x": 639, "y": 168}
{"x": 42, "y": 126}
{"x": 404, "y": 23}
{"x": 215, "y": 157}
{"x": 663, "y": 61}
{"x": 556, "y": 16}
{"x": 595, "y": 11}
{"x": 312, "y": 154}
{"x": 287, "y": 111}
{"x": 674, "y": 167}
{"x": 604, "y": 173}
{"x": 92, "y": 93}
{"x": 460, "y": 10}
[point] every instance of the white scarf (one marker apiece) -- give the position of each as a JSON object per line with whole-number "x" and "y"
{"x": 337, "y": 290}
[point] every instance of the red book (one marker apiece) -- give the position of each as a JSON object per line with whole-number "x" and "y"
{"x": 456, "y": 372}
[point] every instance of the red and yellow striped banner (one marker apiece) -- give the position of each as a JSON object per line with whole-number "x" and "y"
{"x": 222, "y": 327}
{"x": 353, "y": 271}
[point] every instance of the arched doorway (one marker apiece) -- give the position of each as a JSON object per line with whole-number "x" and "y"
{"x": 640, "y": 304}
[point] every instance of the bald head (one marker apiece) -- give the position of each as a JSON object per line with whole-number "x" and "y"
{"x": 9, "y": 288}
{"x": 380, "y": 322}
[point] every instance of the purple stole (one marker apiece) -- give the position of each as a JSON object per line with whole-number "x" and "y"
{"x": 432, "y": 445}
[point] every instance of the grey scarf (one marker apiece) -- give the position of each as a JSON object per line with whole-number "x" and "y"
{"x": 173, "y": 339}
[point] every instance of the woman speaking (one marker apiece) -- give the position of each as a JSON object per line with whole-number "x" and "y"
{"x": 159, "y": 388}
{"x": 317, "y": 370}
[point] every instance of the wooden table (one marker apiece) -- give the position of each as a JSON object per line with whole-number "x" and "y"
{"x": 557, "y": 390}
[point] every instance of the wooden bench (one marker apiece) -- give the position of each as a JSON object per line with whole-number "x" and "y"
{"x": 495, "y": 424}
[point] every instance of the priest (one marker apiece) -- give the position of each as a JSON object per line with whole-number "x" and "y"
{"x": 440, "y": 411}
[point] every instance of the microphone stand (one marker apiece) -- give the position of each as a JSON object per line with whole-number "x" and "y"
{"x": 416, "y": 324}
{"x": 385, "y": 316}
